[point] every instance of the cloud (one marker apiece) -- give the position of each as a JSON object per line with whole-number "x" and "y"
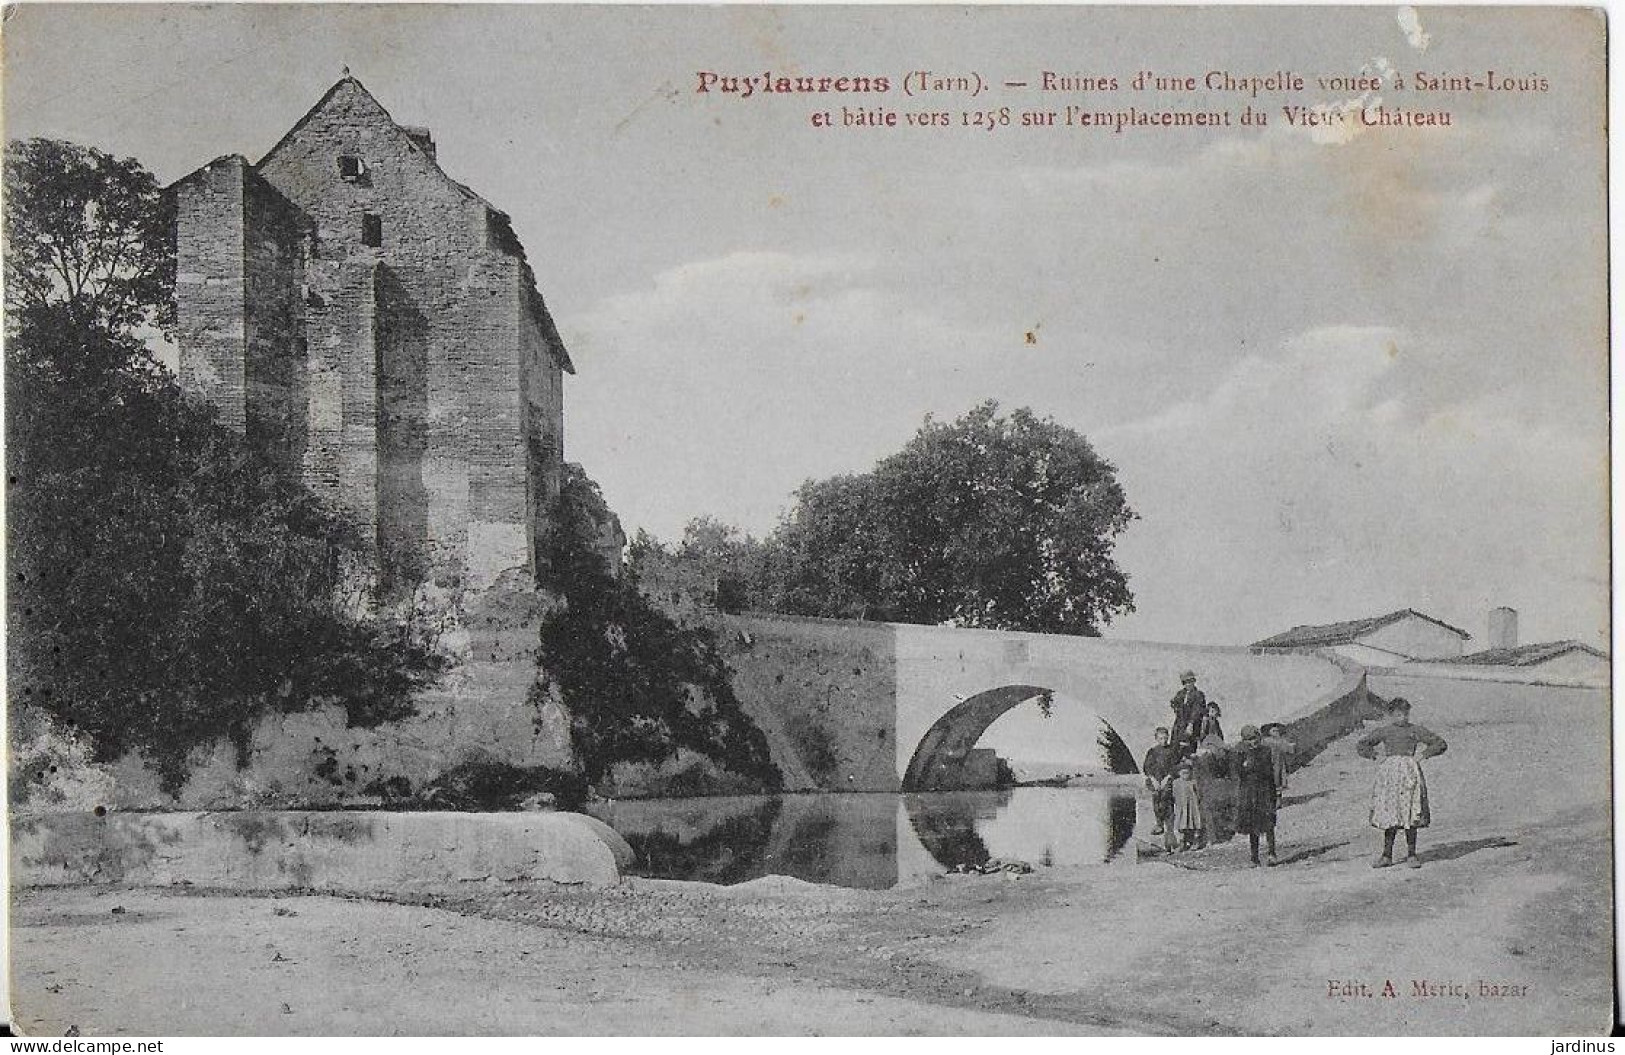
{"x": 1342, "y": 469}
{"x": 1337, "y": 379}
{"x": 1296, "y": 491}
{"x": 725, "y": 383}
{"x": 1320, "y": 375}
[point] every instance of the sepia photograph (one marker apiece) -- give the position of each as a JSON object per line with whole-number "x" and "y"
{"x": 807, "y": 520}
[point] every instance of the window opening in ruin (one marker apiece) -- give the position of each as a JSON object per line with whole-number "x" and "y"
{"x": 350, "y": 167}
{"x": 372, "y": 229}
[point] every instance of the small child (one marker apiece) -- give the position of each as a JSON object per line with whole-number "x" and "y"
{"x": 1188, "y": 808}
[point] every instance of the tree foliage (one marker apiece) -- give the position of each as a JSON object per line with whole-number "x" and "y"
{"x": 88, "y": 233}
{"x": 1005, "y": 522}
{"x": 639, "y": 686}
{"x": 168, "y": 584}
{"x": 713, "y": 567}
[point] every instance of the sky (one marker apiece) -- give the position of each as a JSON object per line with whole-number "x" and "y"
{"x": 1337, "y": 375}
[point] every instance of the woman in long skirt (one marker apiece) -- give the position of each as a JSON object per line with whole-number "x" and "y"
{"x": 1399, "y": 796}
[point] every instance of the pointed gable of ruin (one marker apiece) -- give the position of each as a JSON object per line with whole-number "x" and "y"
{"x": 349, "y": 112}
{"x": 349, "y": 118}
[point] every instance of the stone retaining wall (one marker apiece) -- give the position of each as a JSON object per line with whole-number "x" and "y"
{"x": 1341, "y": 712}
{"x": 361, "y": 852}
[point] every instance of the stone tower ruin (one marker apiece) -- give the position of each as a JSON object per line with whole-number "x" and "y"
{"x": 374, "y": 324}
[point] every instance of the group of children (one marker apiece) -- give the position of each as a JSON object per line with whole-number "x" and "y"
{"x": 1204, "y": 790}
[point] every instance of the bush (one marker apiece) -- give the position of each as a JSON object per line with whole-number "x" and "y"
{"x": 169, "y": 583}
{"x": 1114, "y": 753}
{"x": 638, "y": 685}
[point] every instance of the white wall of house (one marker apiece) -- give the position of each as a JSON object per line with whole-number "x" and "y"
{"x": 1366, "y": 656}
{"x": 1576, "y": 665}
{"x": 1416, "y": 637}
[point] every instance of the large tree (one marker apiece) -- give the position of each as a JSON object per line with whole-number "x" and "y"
{"x": 87, "y": 233}
{"x": 168, "y": 584}
{"x": 992, "y": 521}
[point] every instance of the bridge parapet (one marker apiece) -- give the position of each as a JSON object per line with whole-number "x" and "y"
{"x": 871, "y": 692}
{"x": 1127, "y": 683}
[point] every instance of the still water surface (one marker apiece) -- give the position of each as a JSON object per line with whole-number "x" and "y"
{"x": 872, "y": 841}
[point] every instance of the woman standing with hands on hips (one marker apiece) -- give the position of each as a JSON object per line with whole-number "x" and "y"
{"x": 1399, "y": 797}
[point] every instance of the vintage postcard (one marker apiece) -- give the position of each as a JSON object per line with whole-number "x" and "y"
{"x": 807, "y": 520}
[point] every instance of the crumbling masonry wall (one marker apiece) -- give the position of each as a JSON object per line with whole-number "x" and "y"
{"x": 274, "y": 379}
{"x": 375, "y": 324}
{"x": 211, "y": 314}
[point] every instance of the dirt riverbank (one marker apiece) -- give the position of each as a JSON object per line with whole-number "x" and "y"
{"x": 1506, "y": 929}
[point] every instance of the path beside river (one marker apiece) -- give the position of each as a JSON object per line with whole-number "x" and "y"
{"x": 1515, "y": 894}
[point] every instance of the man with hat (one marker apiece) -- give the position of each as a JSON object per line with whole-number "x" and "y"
{"x": 1281, "y": 750}
{"x": 1189, "y": 705}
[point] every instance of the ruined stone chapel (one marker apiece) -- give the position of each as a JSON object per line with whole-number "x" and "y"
{"x": 375, "y": 325}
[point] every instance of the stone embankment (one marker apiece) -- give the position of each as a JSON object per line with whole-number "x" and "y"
{"x": 357, "y": 852}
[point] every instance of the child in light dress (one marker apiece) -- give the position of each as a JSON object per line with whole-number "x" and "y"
{"x": 1188, "y": 809}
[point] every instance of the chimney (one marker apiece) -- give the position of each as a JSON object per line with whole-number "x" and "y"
{"x": 1503, "y": 628}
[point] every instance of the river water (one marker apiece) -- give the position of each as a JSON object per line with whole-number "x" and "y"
{"x": 873, "y": 841}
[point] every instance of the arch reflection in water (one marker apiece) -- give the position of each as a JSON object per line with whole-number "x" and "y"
{"x": 1057, "y": 827}
{"x": 872, "y": 841}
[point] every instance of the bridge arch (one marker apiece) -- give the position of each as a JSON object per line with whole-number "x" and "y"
{"x": 945, "y": 745}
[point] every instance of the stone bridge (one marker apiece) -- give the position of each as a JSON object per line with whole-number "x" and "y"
{"x": 864, "y": 706}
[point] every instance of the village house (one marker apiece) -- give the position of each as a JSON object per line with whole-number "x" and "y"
{"x": 1556, "y": 661}
{"x": 1376, "y": 641}
{"x": 375, "y": 325}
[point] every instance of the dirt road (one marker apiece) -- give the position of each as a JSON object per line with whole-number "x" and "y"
{"x": 1506, "y": 930}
